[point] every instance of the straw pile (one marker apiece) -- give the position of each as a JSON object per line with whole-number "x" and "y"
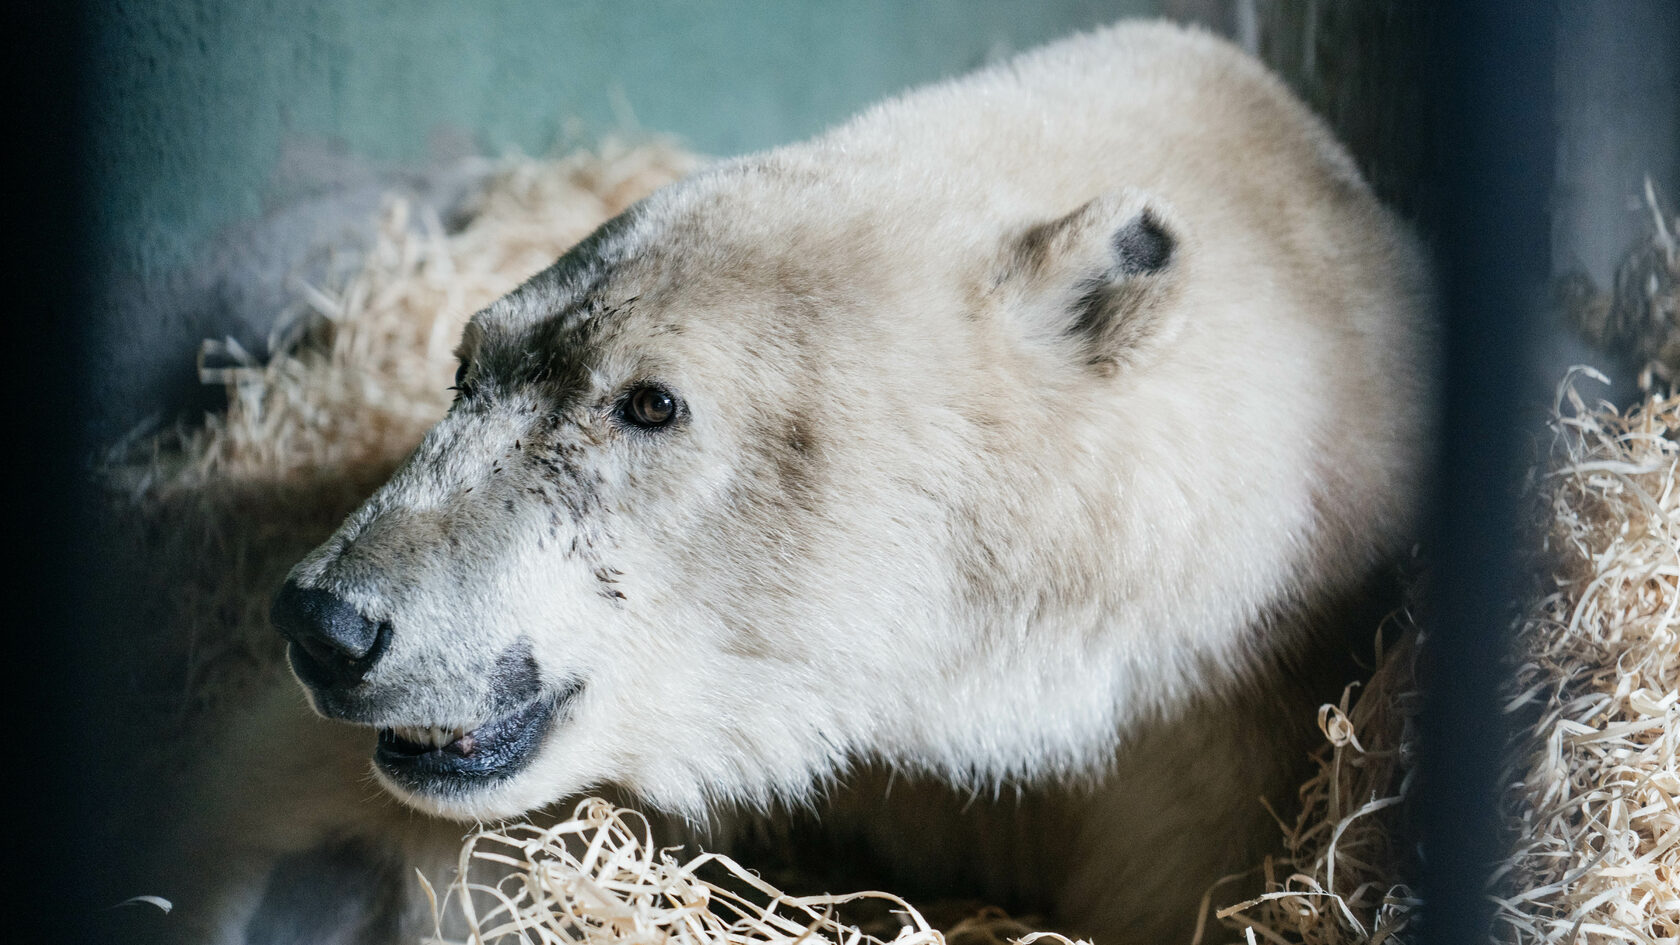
{"x": 597, "y": 878}
{"x": 219, "y": 512}
{"x": 1593, "y": 803}
{"x": 1343, "y": 879}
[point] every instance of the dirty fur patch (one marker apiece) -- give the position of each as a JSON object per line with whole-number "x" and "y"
{"x": 362, "y": 369}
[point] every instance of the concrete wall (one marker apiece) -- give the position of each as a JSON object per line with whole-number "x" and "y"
{"x": 215, "y": 120}
{"x": 1618, "y": 86}
{"x": 1618, "y": 122}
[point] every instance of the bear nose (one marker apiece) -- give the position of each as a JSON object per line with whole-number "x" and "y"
{"x": 333, "y": 644}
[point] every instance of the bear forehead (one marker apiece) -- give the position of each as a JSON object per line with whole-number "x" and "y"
{"x": 752, "y": 259}
{"x": 712, "y": 331}
{"x": 631, "y": 307}
{"x": 673, "y": 286}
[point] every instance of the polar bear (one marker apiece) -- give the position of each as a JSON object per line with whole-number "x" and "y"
{"x": 1026, "y": 430}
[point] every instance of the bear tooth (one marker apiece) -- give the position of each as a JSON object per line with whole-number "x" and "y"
{"x": 414, "y": 733}
{"x": 435, "y": 736}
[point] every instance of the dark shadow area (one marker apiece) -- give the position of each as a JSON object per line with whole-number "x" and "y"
{"x": 1491, "y": 150}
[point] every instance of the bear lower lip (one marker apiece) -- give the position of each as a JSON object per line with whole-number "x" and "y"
{"x": 494, "y": 750}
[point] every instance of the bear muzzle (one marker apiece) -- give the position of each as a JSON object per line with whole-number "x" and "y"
{"x": 333, "y": 648}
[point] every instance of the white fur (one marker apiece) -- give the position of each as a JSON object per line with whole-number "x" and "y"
{"x": 915, "y": 519}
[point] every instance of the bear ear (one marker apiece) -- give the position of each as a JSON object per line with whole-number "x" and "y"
{"x": 1101, "y": 279}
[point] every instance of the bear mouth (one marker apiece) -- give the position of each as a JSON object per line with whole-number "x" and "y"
{"x": 446, "y": 759}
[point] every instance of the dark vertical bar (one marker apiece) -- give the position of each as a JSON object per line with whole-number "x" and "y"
{"x": 1492, "y": 154}
{"x": 51, "y": 830}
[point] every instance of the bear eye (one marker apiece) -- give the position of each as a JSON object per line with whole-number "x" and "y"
{"x": 648, "y": 407}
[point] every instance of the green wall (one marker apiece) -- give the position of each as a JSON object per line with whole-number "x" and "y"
{"x": 195, "y": 98}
